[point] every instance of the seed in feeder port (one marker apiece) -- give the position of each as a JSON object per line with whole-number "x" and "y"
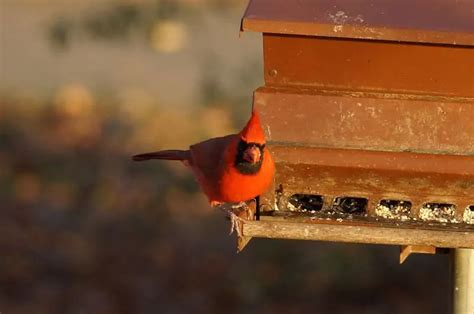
{"x": 393, "y": 209}
{"x": 291, "y": 207}
{"x": 439, "y": 212}
{"x": 468, "y": 216}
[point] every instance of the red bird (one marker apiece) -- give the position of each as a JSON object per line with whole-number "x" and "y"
{"x": 230, "y": 169}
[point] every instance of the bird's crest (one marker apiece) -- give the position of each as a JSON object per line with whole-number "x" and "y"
{"x": 253, "y": 132}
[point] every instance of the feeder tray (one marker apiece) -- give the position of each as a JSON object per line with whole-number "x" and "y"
{"x": 368, "y": 110}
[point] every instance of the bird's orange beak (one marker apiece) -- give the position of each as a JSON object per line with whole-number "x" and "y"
{"x": 252, "y": 154}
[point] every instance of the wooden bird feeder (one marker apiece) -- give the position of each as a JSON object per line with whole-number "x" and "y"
{"x": 368, "y": 109}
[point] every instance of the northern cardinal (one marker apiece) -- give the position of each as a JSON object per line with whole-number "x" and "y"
{"x": 230, "y": 169}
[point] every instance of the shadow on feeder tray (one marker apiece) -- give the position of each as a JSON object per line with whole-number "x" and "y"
{"x": 350, "y": 205}
{"x": 306, "y": 202}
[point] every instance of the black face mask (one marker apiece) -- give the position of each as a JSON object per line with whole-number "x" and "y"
{"x": 242, "y": 165}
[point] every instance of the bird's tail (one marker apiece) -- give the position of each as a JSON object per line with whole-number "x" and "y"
{"x": 172, "y": 154}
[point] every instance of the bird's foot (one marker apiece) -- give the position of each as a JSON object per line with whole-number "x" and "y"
{"x": 235, "y": 221}
{"x": 239, "y": 205}
{"x": 235, "y": 224}
{"x": 245, "y": 207}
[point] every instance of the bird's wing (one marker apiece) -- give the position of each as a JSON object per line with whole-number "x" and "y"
{"x": 206, "y": 162}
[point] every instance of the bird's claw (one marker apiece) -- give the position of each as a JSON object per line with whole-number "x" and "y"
{"x": 235, "y": 224}
{"x": 235, "y": 221}
{"x": 239, "y": 205}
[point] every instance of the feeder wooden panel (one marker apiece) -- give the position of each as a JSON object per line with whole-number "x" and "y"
{"x": 368, "y": 101}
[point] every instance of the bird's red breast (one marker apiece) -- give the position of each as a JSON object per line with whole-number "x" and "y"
{"x": 236, "y": 186}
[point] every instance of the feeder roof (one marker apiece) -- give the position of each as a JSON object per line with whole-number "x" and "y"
{"x": 448, "y": 22}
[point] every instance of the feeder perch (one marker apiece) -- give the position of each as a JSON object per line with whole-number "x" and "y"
{"x": 368, "y": 110}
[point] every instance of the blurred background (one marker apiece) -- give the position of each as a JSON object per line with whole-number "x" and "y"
{"x": 84, "y": 84}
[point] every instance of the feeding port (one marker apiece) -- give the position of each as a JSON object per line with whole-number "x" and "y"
{"x": 394, "y": 209}
{"x": 468, "y": 216}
